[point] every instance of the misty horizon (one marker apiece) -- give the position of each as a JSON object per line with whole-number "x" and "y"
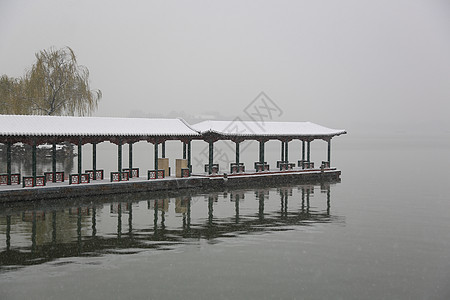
{"x": 359, "y": 65}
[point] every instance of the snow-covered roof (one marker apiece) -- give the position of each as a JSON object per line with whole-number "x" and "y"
{"x": 47, "y": 126}
{"x": 18, "y": 125}
{"x": 269, "y": 129}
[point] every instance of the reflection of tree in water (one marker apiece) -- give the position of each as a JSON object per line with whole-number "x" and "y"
{"x": 69, "y": 231}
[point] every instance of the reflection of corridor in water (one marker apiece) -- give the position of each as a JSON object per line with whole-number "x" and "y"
{"x": 85, "y": 229}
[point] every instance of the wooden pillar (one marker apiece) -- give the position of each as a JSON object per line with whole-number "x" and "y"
{"x": 237, "y": 151}
{"x": 189, "y": 156}
{"x": 33, "y": 161}
{"x": 8, "y": 161}
{"x": 286, "y": 203}
{"x": 329, "y": 151}
{"x": 189, "y": 213}
{"x": 54, "y": 226}
{"x": 261, "y": 205}
{"x": 94, "y": 159}
{"x": 80, "y": 157}
{"x": 210, "y": 210}
{"x": 8, "y": 232}
{"x": 155, "y": 217}
{"x": 211, "y": 156}
{"x": 261, "y": 151}
{"x": 282, "y": 150}
{"x": 156, "y": 159}
{"x": 163, "y": 149}
{"x": 130, "y": 156}
{"x": 303, "y": 199}
{"x": 33, "y": 231}
{"x": 286, "y": 154}
{"x": 119, "y": 156}
{"x": 236, "y": 208}
{"x": 94, "y": 221}
{"x": 163, "y": 216}
{"x": 308, "y": 153}
{"x": 184, "y": 150}
{"x": 130, "y": 218}
{"x": 119, "y": 220}
{"x": 79, "y": 244}
{"x": 308, "y": 193}
{"x": 328, "y": 200}
{"x": 303, "y": 150}
{"x": 54, "y": 161}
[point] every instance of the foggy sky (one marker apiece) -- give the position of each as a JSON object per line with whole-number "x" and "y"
{"x": 352, "y": 64}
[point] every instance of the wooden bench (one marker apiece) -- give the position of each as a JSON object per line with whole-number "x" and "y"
{"x": 14, "y": 179}
{"x": 260, "y": 167}
{"x": 215, "y": 168}
{"x": 99, "y": 174}
{"x": 119, "y": 176}
{"x": 30, "y": 181}
{"x": 155, "y": 174}
{"x": 307, "y": 165}
{"x": 79, "y": 178}
{"x": 185, "y": 172}
{"x": 285, "y": 166}
{"x": 54, "y": 177}
{"x": 237, "y": 168}
{"x": 134, "y": 172}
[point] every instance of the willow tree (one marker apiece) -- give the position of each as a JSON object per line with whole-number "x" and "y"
{"x": 58, "y": 85}
{"x": 12, "y": 99}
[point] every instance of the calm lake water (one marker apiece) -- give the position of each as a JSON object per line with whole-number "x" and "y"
{"x": 382, "y": 232}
